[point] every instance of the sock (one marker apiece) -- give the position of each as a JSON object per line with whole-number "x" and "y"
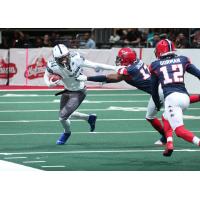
{"x": 194, "y": 98}
{"x": 156, "y": 125}
{"x": 196, "y": 141}
{"x": 184, "y": 133}
{"x": 170, "y": 139}
{"x": 78, "y": 115}
{"x": 66, "y": 125}
{"x": 167, "y": 128}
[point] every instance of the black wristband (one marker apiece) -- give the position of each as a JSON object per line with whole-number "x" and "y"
{"x": 101, "y": 78}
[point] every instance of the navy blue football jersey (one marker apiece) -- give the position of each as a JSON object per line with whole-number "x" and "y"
{"x": 137, "y": 75}
{"x": 169, "y": 71}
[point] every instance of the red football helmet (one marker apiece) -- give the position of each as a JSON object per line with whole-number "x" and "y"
{"x": 164, "y": 47}
{"x": 126, "y": 56}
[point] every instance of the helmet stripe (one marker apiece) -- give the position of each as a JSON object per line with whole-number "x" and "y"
{"x": 169, "y": 44}
{"x": 59, "y": 49}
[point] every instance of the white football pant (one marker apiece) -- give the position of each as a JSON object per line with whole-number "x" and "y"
{"x": 151, "y": 108}
{"x": 175, "y": 104}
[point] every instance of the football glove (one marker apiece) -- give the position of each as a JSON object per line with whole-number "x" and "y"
{"x": 81, "y": 78}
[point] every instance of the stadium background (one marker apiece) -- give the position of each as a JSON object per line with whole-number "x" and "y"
{"x": 124, "y": 141}
{"x": 118, "y": 185}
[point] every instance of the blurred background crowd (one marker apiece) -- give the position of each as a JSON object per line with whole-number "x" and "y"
{"x": 97, "y": 37}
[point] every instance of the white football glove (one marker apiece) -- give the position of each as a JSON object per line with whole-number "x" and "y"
{"x": 81, "y": 78}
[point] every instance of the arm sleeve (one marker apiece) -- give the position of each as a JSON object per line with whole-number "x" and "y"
{"x": 154, "y": 89}
{"x": 101, "y": 78}
{"x": 109, "y": 78}
{"x": 192, "y": 69}
{"x": 94, "y": 65}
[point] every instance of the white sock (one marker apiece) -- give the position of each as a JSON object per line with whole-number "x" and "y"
{"x": 169, "y": 139}
{"x": 78, "y": 115}
{"x": 196, "y": 140}
{"x": 66, "y": 125}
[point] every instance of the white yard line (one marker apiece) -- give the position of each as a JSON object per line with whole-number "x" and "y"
{"x": 97, "y": 151}
{"x": 35, "y": 161}
{"x": 93, "y": 133}
{"x": 76, "y": 120}
{"x": 54, "y": 166}
{"x": 57, "y": 101}
{"x": 186, "y": 117}
{"x": 11, "y": 158}
{"x": 51, "y": 95}
{"x": 85, "y": 109}
{"x": 140, "y": 109}
{"x": 103, "y": 132}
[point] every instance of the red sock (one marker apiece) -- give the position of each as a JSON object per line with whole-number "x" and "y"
{"x": 184, "y": 133}
{"x": 194, "y": 98}
{"x": 167, "y": 128}
{"x": 156, "y": 125}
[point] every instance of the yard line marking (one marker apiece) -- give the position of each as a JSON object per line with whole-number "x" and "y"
{"x": 114, "y": 108}
{"x": 86, "y": 132}
{"x": 10, "y": 158}
{"x": 85, "y": 101}
{"x": 103, "y": 132}
{"x": 187, "y": 117}
{"x": 53, "y": 166}
{"x": 136, "y": 109}
{"x": 21, "y": 95}
{"x": 76, "y": 120}
{"x": 98, "y": 151}
{"x": 35, "y": 161}
{"x": 51, "y": 95}
{"x": 6, "y": 111}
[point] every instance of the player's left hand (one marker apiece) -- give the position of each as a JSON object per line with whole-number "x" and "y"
{"x": 81, "y": 78}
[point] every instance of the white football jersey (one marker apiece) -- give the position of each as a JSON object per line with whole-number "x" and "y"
{"x": 69, "y": 74}
{"x": 75, "y": 68}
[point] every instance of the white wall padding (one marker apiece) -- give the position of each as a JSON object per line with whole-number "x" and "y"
{"x": 28, "y": 66}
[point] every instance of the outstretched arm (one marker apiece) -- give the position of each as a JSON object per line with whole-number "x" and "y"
{"x": 192, "y": 69}
{"x": 94, "y": 65}
{"x": 109, "y": 78}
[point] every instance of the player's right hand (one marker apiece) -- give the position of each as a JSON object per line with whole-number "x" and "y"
{"x": 53, "y": 83}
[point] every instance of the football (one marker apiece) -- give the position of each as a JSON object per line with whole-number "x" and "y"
{"x": 55, "y": 77}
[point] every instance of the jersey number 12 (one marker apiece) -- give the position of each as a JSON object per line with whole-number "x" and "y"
{"x": 177, "y": 72}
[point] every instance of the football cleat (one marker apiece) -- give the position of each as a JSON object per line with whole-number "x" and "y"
{"x": 169, "y": 149}
{"x": 92, "y": 121}
{"x": 63, "y": 138}
{"x": 161, "y": 142}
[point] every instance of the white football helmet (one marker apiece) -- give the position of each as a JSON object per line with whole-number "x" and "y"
{"x": 60, "y": 50}
{"x": 61, "y": 54}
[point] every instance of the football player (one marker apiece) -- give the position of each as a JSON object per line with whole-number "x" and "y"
{"x": 136, "y": 73}
{"x": 169, "y": 70}
{"x": 69, "y": 66}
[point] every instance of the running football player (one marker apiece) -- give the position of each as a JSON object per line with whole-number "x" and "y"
{"x": 69, "y": 66}
{"x": 169, "y": 70}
